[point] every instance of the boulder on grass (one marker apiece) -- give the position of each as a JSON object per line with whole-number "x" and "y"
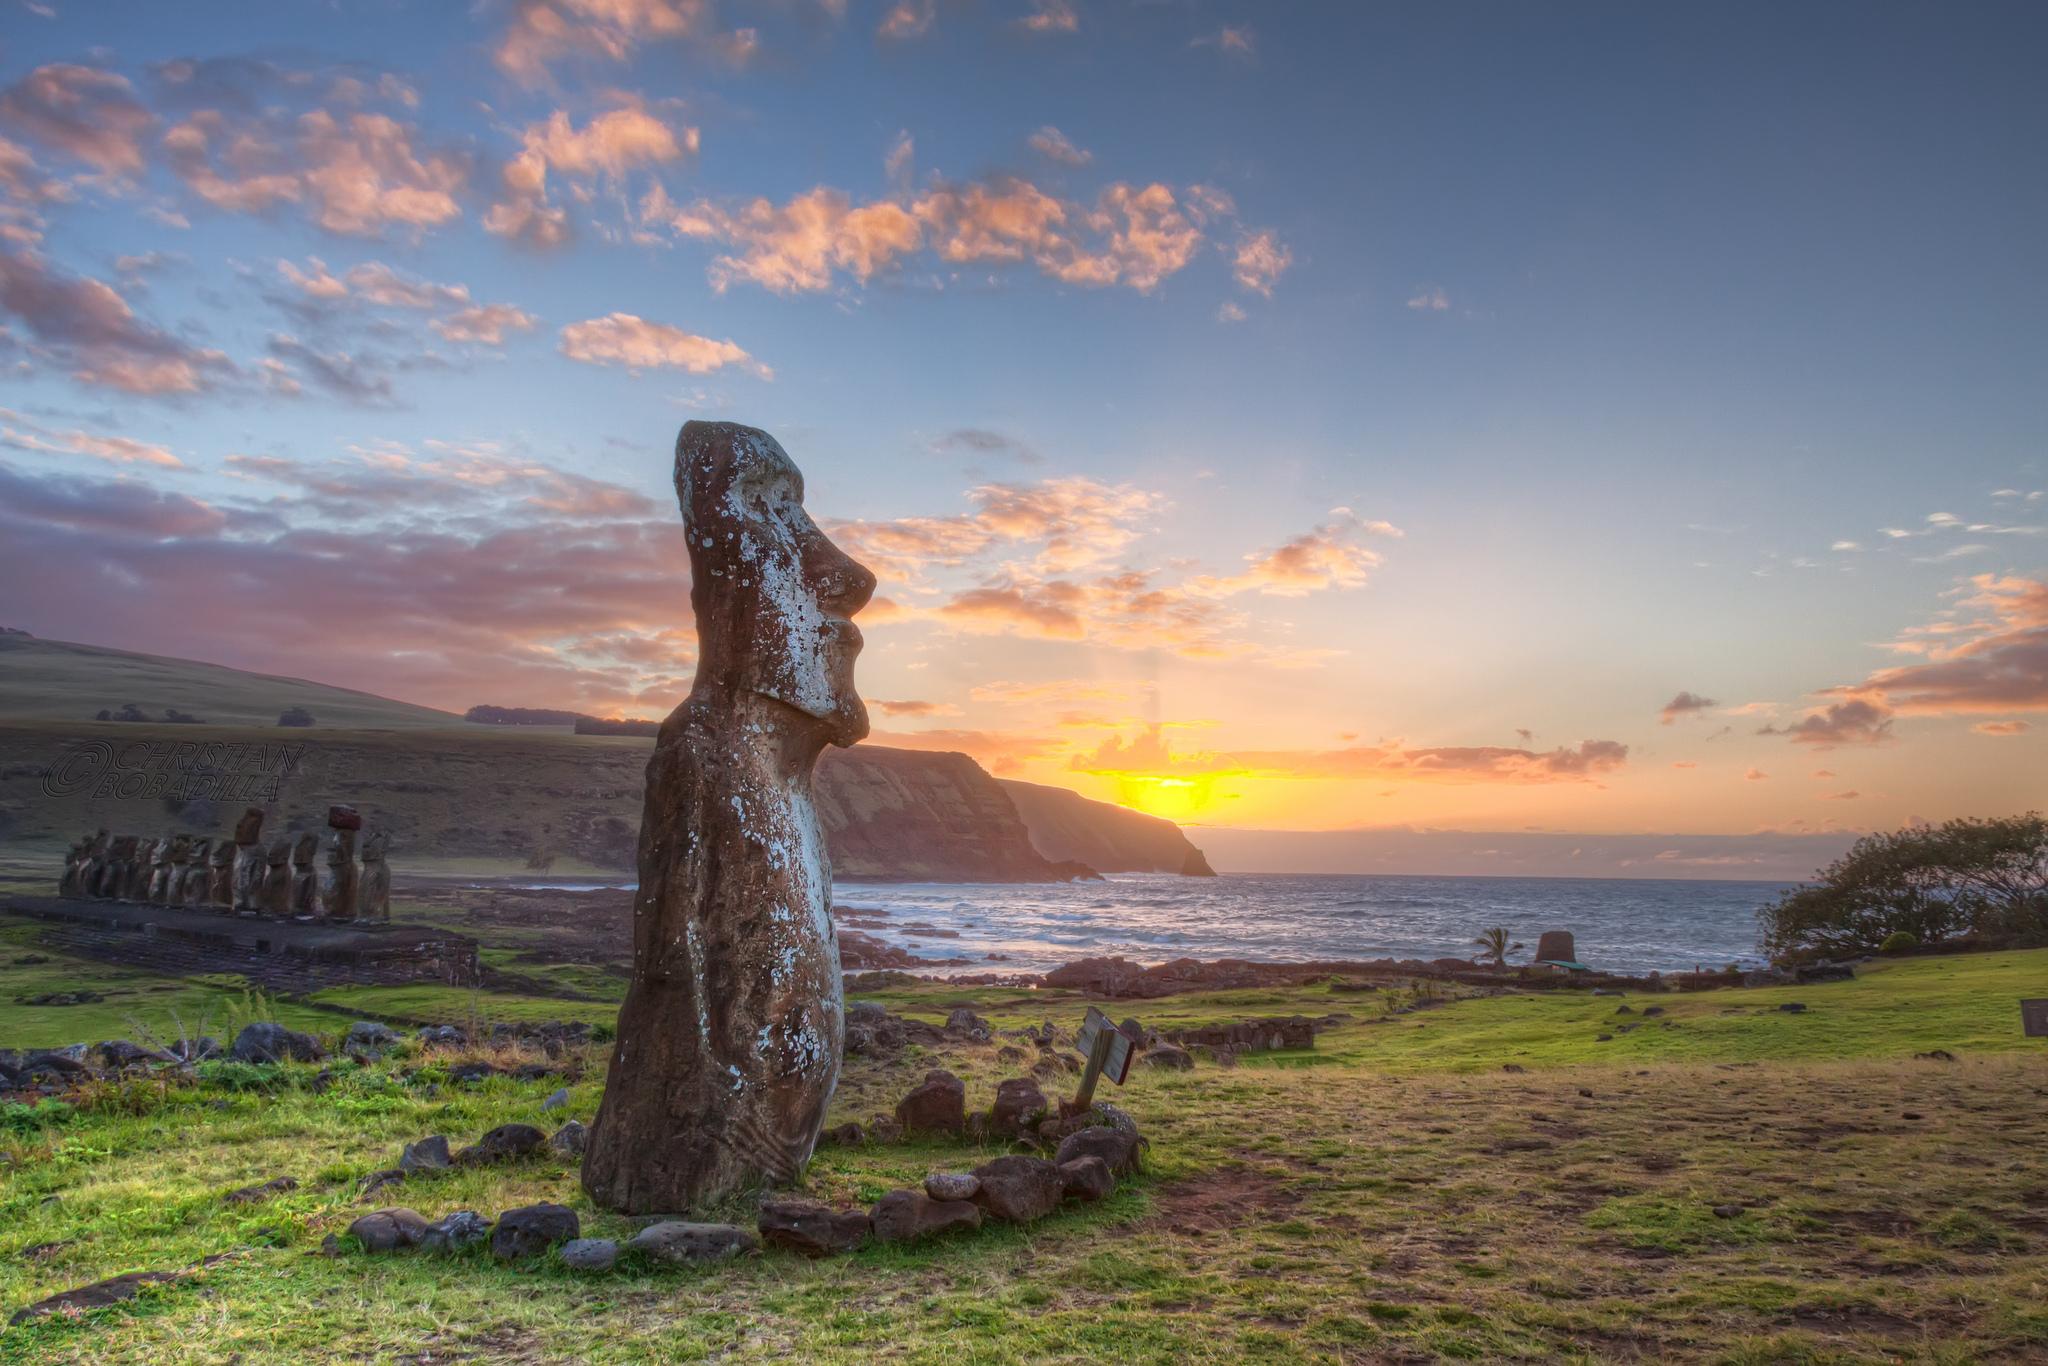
{"x": 387, "y": 1230}
{"x": 679, "y": 1242}
{"x": 427, "y": 1155}
{"x": 1170, "y": 1057}
{"x": 368, "y": 1039}
{"x": 811, "y": 1228}
{"x": 454, "y": 1232}
{"x": 263, "y": 1190}
{"x": 570, "y": 1139}
{"x": 590, "y": 1254}
{"x": 1018, "y": 1188}
{"x": 951, "y": 1185}
{"x": 502, "y": 1144}
{"x": 1019, "y": 1105}
{"x": 1087, "y": 1178}
{"x": 268, "y": 1041}
{"x": 532, "y": 1229}
{"x": 937, "y": 1106}
{"x": 1117, "y": 1149}
{"x": 907, "y": 1216}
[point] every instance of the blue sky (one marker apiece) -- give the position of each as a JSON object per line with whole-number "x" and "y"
{"x": 1603, "y": 326}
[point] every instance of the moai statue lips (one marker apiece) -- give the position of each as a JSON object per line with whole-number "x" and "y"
{"x": 730, "y": 1036}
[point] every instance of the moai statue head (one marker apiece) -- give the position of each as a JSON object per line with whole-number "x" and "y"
{"x": 373, "y": 846}
{"x": 223, "y": 855}
{"x": 304, "y": 848}
{"x": 279, "y": 853}
{"x": 773, "y": 596}
{"x": 249, "y": 829}
{"x": 181, "y": 849}
{"x": 200, "y": 852}
{"x": 342, "y": 824}
{"x": 160, "y": 852}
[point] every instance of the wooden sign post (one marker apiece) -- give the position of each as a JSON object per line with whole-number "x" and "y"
{"x": 1108, "y": 1050}
{"x": 2034, "y": 1018}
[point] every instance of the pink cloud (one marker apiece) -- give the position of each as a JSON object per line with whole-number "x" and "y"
{"x": 625, "y": 339}
{"x": 87, "y": 326}
{"x": 84, "y": 112}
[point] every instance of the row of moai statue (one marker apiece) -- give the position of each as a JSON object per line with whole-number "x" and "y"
{"x": 244, "y": 876}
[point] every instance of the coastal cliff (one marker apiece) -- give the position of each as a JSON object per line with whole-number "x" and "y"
{"x": 1109, "y": 839}
{"x": 903, "y": 815}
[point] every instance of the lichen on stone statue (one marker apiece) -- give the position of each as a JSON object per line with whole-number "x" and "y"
{"x": 729, "y": 1039}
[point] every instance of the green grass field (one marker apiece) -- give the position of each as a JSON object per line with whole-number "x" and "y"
{"x": 1390, "y": 1195}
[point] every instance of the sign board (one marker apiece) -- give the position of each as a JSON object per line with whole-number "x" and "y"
{"x": 1116, "y": 1065}
{"x": 2034, "y": 1018}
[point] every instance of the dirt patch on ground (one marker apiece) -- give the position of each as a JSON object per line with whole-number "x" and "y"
{"x": 1227, "y": 1198}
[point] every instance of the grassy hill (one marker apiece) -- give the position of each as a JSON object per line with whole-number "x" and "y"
{"x": 54, "y": 680}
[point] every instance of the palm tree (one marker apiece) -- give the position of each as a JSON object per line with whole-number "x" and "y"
{"x": 1493, "y": 944}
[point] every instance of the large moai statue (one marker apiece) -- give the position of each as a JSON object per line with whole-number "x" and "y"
{"x": 730, "y": 1036}
{"x": 305, "y": 892}
{"x": 275, "y": 898}
{"x": 167, "y": 884}
{"x": 220, "y": 877}
{"x": 338, "y": 879}
{"x": 156, "y": 866}
{"x": 373, "y": 893}
{"x": 135, "y": 877}
{"x": 192, "y": 891}
{"x": 120, "y": 859}
{"x": 250, "y": 862}
{"x": 70, "y": 880}
{"x": 96, "y": 856}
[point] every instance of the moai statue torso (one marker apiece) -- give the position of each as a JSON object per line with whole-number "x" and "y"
{"x": 338, "y": 877}
{"x": 95, "y": 865}
{"x": 373, "y": 893}
{"x": 275, "y": 897}
{"x": 250, "y": 862}
{"x": 220, "y": 878}
{"x": 135, "y": 877}
{"x": 168, "y": 885}
{"x": 155, "y": 871}
{"x": 198, "y": 874}
{"x": 74, "y": 864}
{"x": 305, "y": 895}
{"x": 730, "y": 1036}
{"x": 120, "y": 860}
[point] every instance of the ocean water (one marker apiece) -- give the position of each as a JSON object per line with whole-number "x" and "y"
{"x": 1627, "y": 925}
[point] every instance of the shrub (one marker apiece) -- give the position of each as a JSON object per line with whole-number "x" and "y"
{"x": 1987, "y": 878}
{"x": 1899, "y": 941}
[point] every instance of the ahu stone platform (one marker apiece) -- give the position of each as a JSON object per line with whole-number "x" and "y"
{"x": 283, "y": 955}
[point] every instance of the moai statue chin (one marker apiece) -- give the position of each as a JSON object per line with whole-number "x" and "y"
{"x": 304, "y": 902}
{"x": 373, "y": 893}
{"x": 220, "y": 877}
{"x": 729, "y": 1039}
{"x": 250, "y": 862}
{"x": 275, "y": 897}
{"x": 338, "y": 879}
{"x": 193, "y": 890}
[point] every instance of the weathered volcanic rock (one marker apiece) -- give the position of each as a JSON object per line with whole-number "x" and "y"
{"x": 1118, "y": 1150}
{"x": 532, "y": 1229}
{"x": 387, "y": 1230}
{"x": 506, "y": 1143}
{"x": 1019, "y": 1105}
{"x": 952, "y": 1185}
{"x": 813, "y": 1229}
{"x": 1087, "y": 1178}
{"x": 937, "y": 1106}
{"x": 268, "y": 1041}
{"x": 427, "y": 1155}
{"x": 1019, "y": 1189}
{"x": 681, "y": 1242}
{"x": 906, "y": 1216}
{"x": 590, "y": 1254}
{"x": 453, "y": 1232}
{"x": 263, "y": 1190}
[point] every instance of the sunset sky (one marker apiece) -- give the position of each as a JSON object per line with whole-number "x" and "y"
{"x": 1620, "y": 419}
